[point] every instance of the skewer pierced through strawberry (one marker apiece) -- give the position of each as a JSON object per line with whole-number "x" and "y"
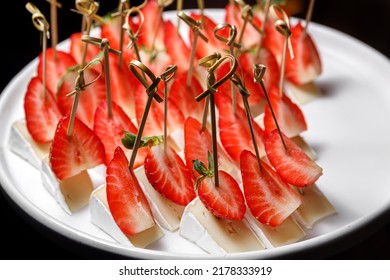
{"x": 226, "y": 200}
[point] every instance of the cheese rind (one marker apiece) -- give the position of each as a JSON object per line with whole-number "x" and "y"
{"x": 215, "y": 235}
{"x": 167, "y": 213}
{"x": 100, "y": 216}
{"x": 22, "y": 144}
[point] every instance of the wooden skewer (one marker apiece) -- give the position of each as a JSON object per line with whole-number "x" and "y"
{"x": 54, "y": 4}
{"x": 262, "y": 33}
{"x": 80, "y": 85}
{"x": 42, "y": 25}
{"x": 134, "y": 35}
{"x": 308, "y": 16}
{"x": 212, "y": 87}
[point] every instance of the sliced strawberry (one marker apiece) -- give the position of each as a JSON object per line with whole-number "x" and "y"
{"x": 148, "y": 32}
{"x": 213, "y": 45}
{"x": 184, "y": 97}
{"x": 90, "y": 98}
{"x": 226, "y": 200}
{"x": 292, "y": 163}
{"x": 155, "y": 122}
{"x": 306, "y": 66}
{"x": 111, "y": 130}
{"x": 126, "y": 200}
{"x": 55, "y": 68}
{"x": 77, "y": 48}
{"x": 69, "y": 155}
{"x": 269, "y": 199}
{"x": 168, "y": 174}
{"x": 251, "y": 36}
{"x": 41, "y": 111}
{"x": 290, "y": 117}
{"x": 174, "y": 42}
{"x": 234, "y": 129}
{"x": 197, "y": 144}
{"x": 273, "y": 40}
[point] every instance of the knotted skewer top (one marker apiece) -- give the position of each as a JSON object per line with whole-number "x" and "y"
{"x": 195, "y": 25}
{"x": 38, "y": 19}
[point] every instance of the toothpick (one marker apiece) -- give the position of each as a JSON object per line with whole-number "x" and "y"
{"x": 196, "y": 27}
{"x": 123, "y": 7}
{"x": 230, "y": 41}
{"x": 161, "y": 5}
{"x": 87, "y": 8}
{"x": 104, "y": 45}
{"x": 262, "y": 33}
{"x": 134, "y": 36}
{"x": 179, "y": 8}
{"x": 212, "y": 87}
{"x": 42, "y": 25}
{"x": 308, "y": 16}
{"x": 258, "y": 74}
{"x": 54, "y": 25}
{"x": 245, "y": 94}
{"x": 151, "y": 90}
{"x": 247, "y": 16}
{"x": 80, "y": 85}
{"x": 282, "y": 25}
{"x": 207, "y": 62}
{"x": 166, "y": 76}
{"x": 201, "y": 8}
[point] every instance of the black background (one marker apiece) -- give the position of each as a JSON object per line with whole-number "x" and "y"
{"x": 20, "y": 43}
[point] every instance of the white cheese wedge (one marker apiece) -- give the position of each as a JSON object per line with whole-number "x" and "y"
{"x": 102, "y": 218}
{"x": 287, "y": 233}
{"x": 176, "y": 139}
{"x": 304, "y": 146}
{"x": 214, "y": 235}
{"x": 71, "y": 194}
{"x": 315, "y": 206}
{"x": 303, "y": 93}
{"x": 166, "y": 212}
{"x": 23, "y": 145}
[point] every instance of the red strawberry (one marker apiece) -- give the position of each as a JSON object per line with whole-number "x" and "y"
{"x": 41, "y": 111}
{"x": 226, "y": 200}
{"x": 198, "y": 143}
{"x": 234, "y": 129}
{"x": 306, "y": 65}
{"x": 184, "y": 97}
{"x": 233, "y": 16}
{"x": 126, "y": 200}
{"x": 292, "y": 163}
{"x": 290, "y": 117}
{"x": 168, "y": 174}
{"x": 90, "y": 98}
{"x": 273, "y": 40}
{"x": 151, "y": 12}
{"x": 111, "y": 130}
{"x": 269, "y": 199}
{"x": 77, "y": 47}
{"x": 55, "y": 68}
{"x": 155, "y": 122}
{"x": 69, "y": 155}
{"x": 174, "y": 42}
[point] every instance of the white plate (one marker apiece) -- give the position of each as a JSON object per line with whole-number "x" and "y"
{"x": 347, "y": 128}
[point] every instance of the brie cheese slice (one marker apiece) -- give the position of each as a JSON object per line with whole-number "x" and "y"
{"x": 23, "y": 145}
{"x": 214, "y": 235}
{"x": 303, "y": 93}
{"x": 102, "y": 218}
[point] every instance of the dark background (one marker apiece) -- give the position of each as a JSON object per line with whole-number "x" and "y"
{"x": 20, "y": 43}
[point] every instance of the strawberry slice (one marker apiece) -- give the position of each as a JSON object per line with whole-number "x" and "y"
{"x": 269, "y": 199}
{"x": 55, "y": 68}
{"x": 198, "y": 143}
{"x": 69, "y": 155}
{"x": 173, "y": 42}
{"x": 289, "y": 116}
{"x": 251, "y": 35}
{"x": 306, "y": 66}
{"x": 111, "y": 130}
{"x": 90, "y": 98}
{"x": 77, "y": 47}
{"x": 155, "y": 122}
{"x": 226, "y": 200}
{"x": 41, "y": 111}
{"x": 184, "y": 97}
{"x": 234, "y": 129}
{"x": 213, "y": 45}
{"x": 273, "y": 40}
{"x": 148, "y": 32}
{"x": 292, "y": 163}
{"x": 126, "y": 200}
{"x": 168, "y": 174}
